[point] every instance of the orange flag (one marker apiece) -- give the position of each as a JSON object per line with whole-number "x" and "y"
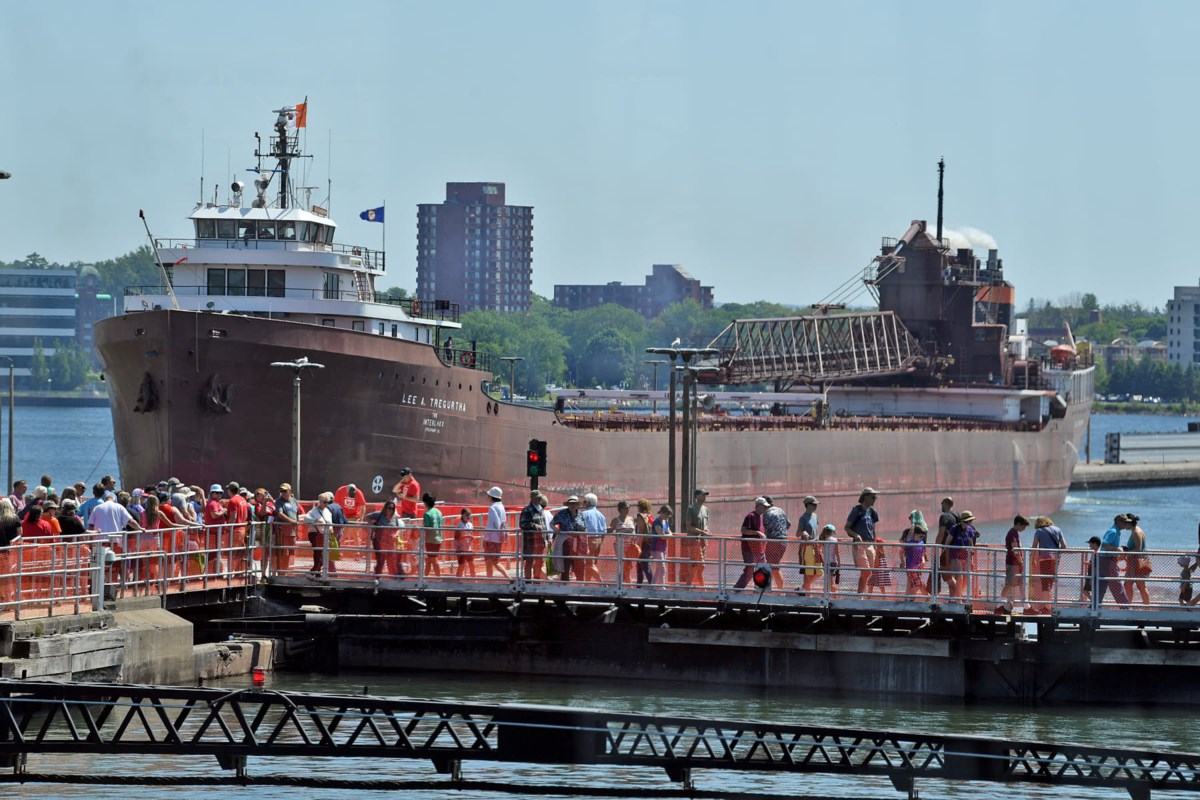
{"x": 302, "y": 114}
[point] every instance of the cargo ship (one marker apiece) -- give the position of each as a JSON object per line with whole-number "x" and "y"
{"x": 934, "y": 394}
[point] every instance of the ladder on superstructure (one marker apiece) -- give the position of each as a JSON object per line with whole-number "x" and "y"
{"x": 363, "y": 288}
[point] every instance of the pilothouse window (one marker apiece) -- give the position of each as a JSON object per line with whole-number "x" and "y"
{"x": 287, "y": 231}
{"x": 226, "y": 229}
{"x": 206, "y": 229}
{"x": 245, "y": 230}
{"x": 266, "y": 230}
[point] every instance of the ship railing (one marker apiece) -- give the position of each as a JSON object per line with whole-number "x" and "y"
{"x": 721, "y": 568}
{"x": 602, "y": 420}
{"x": 442, "y": 310}
{"x": 364, "y": 256}
{"x": 461, "y": 357}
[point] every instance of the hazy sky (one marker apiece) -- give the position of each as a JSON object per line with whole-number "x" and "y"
{"x": 764, "y": 146}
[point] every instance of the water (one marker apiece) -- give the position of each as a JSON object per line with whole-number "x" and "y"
{"x": 75, "y": 444}
{"x": 68, "y": 443}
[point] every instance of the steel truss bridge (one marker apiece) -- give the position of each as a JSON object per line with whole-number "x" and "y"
{"x": 812, "y": 350}
{"x": 233, "y": 726}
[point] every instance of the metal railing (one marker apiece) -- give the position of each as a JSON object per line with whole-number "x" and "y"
{"x": 47, "y": 577}
{"x": 442, "y": 310}
{"x": 374, "y": 259}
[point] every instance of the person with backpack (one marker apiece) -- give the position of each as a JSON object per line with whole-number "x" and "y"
{"x": 860, "y": 525}
{"x": 961, "y": 536}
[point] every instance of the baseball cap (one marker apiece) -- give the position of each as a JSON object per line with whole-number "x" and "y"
{"x": 233, "y": 486}
{"x": 809, "y": 500}
{"x": 496, "y": 493}
{"x": 137, "y": 492}
{"x": 405, "y": 471}
{"x": 701, "y": 491}
{"x": 573, "y": 499}
{"x": 761, "y": 501}
{"x": 285, "y": 487}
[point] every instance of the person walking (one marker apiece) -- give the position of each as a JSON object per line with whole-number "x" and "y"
{"x": 641, "y": 530}
{"x": 283, "y": 538}
{"x": 320, "y": 530}
{"x": 1137, "y": 562}
{"x": 533, "y": 538}
{"x": 1108, "y": 577}
{"x": 1014, "y": 562}
{"x": 1048, "y": 540}
{"x": 860, "y": 526}
{"x": 960, "y": 538}
{"x": 753, "y": 542}
{"x": 495, "y": 533}
{"x": 386, "y": 527}
{"x": 431, "y": 523}
{"x": 775, "y": 528}
{"x": 915, "y": 564}
{"x": 568, "y": 527}
{"x": 625, "y": 545}
{"x": 595, "y": 526}
{"x": 695, "y": 541}
{"x": 464, "y": 544}
{"x": 660, "y": 535}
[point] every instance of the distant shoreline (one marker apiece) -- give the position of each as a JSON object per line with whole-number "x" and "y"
{"x": 60, "y": 399}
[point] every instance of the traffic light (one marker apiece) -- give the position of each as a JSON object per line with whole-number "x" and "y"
{"x": 762, "y": 577}
{"x": 535, "y": 459}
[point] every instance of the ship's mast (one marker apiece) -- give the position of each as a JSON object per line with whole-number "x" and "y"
{"x": 284, "y": 154}
{"x": 941, "y": 175}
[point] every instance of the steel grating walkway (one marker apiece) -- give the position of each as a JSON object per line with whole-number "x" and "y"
{"x": 50, "y": 717}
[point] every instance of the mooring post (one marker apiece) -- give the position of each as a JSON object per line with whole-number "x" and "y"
{"x": 683, "y": 775}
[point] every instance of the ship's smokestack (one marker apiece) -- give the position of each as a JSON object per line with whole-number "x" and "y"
{"x": 941, "y": 175}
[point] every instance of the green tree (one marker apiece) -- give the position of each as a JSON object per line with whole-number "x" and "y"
{"x": 137, "y": 268}
{"x": 607, "y": 359}
{"x": 39, "y": 368}
{"x": 68, "y": 367}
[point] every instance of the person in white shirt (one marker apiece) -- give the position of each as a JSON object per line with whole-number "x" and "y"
{"x": 495, "y": 533}
{"x": 320, "y": 522}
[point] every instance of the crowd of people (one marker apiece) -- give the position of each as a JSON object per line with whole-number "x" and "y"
{"x": 221, "y": 528}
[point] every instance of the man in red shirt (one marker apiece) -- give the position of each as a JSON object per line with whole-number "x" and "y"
{"x": 217, "y": 537}
{"x": 408, "y": 501}
{"x": 238, "y": 510}
{"x": 354, "y": 503}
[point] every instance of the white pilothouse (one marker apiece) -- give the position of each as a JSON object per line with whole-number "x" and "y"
{"x": 278, "y": 259}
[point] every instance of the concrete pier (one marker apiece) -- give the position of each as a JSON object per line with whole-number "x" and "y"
{"x": 1117, "y": 476}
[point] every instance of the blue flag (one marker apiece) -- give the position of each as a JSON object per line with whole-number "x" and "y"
{"x": 372, "y": 214}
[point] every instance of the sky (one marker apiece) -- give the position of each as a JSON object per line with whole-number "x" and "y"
{"x": 764, "y": 146}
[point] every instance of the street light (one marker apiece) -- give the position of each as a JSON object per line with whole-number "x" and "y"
{"x": 299, "y": 365}
{"x": 512, "y": 368}
{"x": 655, "y": 362}
{"x": 11, "y": 394}
{"x": 684, "y": 354}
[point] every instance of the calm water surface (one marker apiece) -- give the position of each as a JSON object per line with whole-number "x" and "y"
{"x": 74, "y": 444}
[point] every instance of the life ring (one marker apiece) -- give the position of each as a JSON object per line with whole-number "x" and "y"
{"x": 464, "y": 358}
{"x": 416, "y": 307}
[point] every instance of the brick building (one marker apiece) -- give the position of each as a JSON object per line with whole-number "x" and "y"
{"x": 666, "y": 285}
{"x": 474, "y": 250}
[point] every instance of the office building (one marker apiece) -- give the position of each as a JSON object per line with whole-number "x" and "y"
{"x": 35, "y": 304}
{"x": 666, "y": 285}
{"x": 474, "y": 250}
{"x": 1183, "y": 326}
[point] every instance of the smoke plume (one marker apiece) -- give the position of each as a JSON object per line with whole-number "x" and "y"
{"x": 969, "y": 238}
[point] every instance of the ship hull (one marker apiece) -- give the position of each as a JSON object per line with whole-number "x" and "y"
{"x": 193, "y": 395}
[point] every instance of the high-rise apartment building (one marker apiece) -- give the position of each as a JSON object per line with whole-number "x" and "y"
{"x": 1183, "y": 326}
{"x": 474, "y": 250}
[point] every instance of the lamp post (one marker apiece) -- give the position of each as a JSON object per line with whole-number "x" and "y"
{"x": 512, "y": 368}
{"x": 684, "y": 355}
{"x": 298, "y": 366}
{"x": 11, "y": 396}
{"x": 655, "y": 362}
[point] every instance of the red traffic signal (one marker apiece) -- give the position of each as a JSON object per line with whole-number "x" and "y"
{"x": 535, "y": 459}
{"x": 762, "y": 578}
